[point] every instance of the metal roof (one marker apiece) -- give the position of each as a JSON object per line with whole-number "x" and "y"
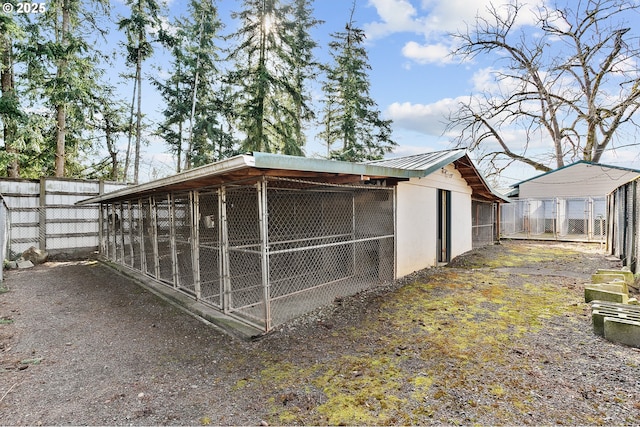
{"x": 517, "y": 184}
{"x": 422, "y": 162}
{"x": 255, "y": 165}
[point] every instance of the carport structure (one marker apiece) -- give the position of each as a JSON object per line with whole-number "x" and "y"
{"x": 262, "y": 238}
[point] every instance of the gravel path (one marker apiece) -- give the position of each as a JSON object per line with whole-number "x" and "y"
{"x": 82, "y": 345}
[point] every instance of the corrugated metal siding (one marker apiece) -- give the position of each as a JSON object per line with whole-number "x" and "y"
{"x": 578, "y": 180}
{"x": 417, "y": 162}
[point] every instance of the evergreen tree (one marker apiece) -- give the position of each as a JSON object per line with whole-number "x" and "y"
{"x": 273, "y": 59}
{"x": 108, "y": 120}
{"x": 61, "y": 67}
{"x": 195, "y": 107}
{"x": 303, "y": 69}
{"x": 175, "y": 92}
{"x": 350, "y": 114}
{"x": 10, "y": 112}
{"x": 144, "y": 14}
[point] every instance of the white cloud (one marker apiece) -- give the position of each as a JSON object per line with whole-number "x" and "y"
{"x": 432, "y": 120}
{"x": 484, "y": 81}
{"x": 625, "y": 157}
{"x": 427, "y": 54}
{"x": 429, "y": 119}
{"x": 434, "y": 20}
{"x": 436, "y": 17}
{"x": 396, "y": 16}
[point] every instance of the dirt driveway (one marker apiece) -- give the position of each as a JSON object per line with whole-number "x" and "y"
{"x": 501, "y": 336}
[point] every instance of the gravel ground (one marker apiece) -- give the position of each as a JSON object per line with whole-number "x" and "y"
{"x": 501, "y": 336}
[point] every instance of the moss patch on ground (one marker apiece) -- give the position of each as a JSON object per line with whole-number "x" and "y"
{"x": 517, "y": 255}
{"x": 438, "y": 342}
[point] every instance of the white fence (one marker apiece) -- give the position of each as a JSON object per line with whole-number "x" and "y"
{"x": 578, "y": 219}
{"x": 4, "y": 234}
{"x": 42, "y": 213}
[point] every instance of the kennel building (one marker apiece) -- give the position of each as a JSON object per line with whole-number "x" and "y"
{"x": 264, "y": 238}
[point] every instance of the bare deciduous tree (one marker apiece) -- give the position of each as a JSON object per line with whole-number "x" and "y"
{"x": 574, "y": 82}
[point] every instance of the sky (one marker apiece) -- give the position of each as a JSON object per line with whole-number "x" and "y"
{"x": 414, "y": 80}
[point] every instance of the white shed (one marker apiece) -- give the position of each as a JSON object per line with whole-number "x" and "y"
{"x": 580, "y": 179}
{"x": 568, "y": 203}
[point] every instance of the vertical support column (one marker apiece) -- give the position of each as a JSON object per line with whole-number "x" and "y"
{"x": 264, "y": 250}
{"x": 143, "y": 248}
{"x": 130, "y": 232}
{"x": 42, "y": 215}
{"x": 223, "y": 256}
{"x": 353, "y": 232}
{"x": 101, "y": 219}
{"x": 119, "y": 226}
{"x": 395, "y": 232}
{"x": 590, "y": 219}
{"x": 497, "y": 215}
{"x": 527, "y": 224}
{"x": 112, "y": 234}
{"x": 557, "y": 223}
{"x": 632, "y": 257}
{"x": 172, "y": 241}
{"x": 154, "y": 236}
{"x": 195, "y": 241}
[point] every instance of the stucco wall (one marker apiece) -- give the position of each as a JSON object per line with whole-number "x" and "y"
{"x": 416, "y": 216}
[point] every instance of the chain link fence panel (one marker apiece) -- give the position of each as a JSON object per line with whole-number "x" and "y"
{"x": 576, "y": 219}
{"x": 483, "y": 223}
{"x": 262, "y": 252}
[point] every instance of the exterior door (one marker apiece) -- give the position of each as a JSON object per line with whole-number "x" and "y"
{"x": 444, "y": 226}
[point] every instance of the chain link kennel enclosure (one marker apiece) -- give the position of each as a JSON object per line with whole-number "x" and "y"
{"x": 263, "y": 252}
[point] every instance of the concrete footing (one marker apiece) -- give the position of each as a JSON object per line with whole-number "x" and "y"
{"x": 623, "y": 331}
{"x": 602, "y": 309}
{"x": 614, "y": 315}
{"x": 606, "y": 292}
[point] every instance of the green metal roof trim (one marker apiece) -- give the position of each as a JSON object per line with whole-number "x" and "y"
{"x": 307, "y": 164}
{"x": 415, "y": 166}
{"x": 573, "y": 164}
{"x": 400, "y": 167}
{"x": 217, "y": 168}
{"x": 260, "y": 161}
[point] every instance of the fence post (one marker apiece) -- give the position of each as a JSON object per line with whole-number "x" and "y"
{"x": 195, "y": 242}
{"x": 223, "y": 258}
{"x": 42, "y": 213}
{"x": 261, "y": 188}
{"x": 633, "y": 249}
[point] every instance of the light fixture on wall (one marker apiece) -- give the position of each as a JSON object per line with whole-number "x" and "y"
{"x": 445, "y": 173}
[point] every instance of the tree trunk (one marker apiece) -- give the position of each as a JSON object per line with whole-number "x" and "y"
{"x": 61, "y": 120}
{"x": 111, "y": 147}
{"x": 61, "y": 130}
{"x": 179, "y": 149}
{"x": 136, "y": 163}
{"x": 7, "y": 91}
